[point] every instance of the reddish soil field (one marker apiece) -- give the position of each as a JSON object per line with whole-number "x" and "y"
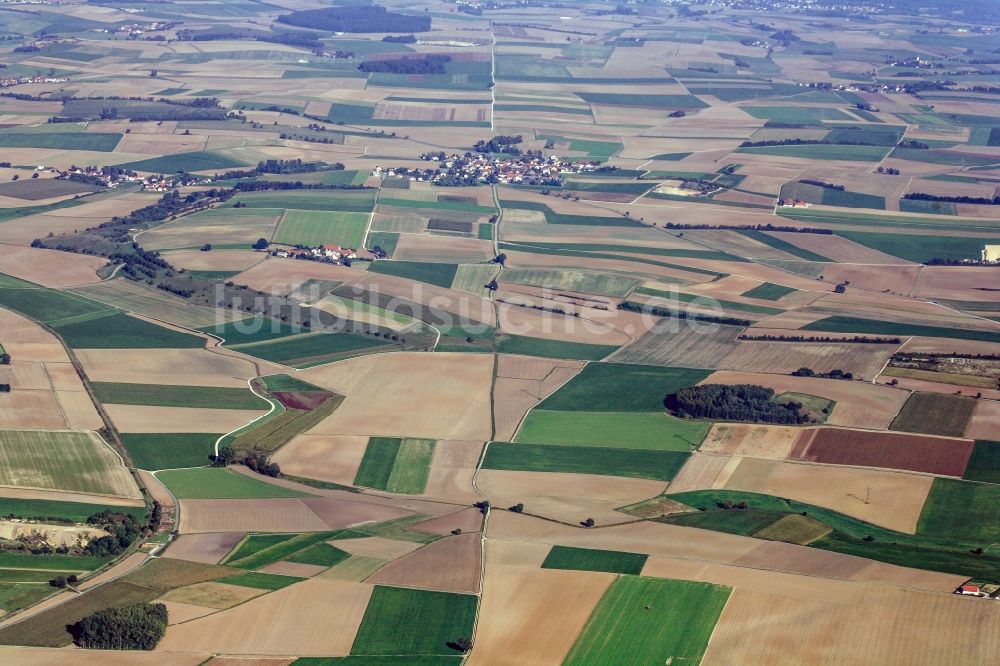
{"x": 917, "y": 453}
{"x": 301, "y": 399}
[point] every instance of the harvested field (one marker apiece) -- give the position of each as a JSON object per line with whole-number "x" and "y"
{"x": 917, "y": 453}
{"x": 865, "y": 361}
{"x": 535, "y": 615}
{"x": 451, "y": 470}
{"x": 859, "y": 404}
{"x": 529, "y": 322}
{"x": 891, "y": 499}
{"x": 985, "y": 421}
{"x": 890, "y": 626}
{"x": 330, "y": 458}
{"x": 49, "y": 268}
{"x": 457, "y": 386}
{"x": 151, "y": 302}
{"x": 179, "y": 367}
{"x": 451, "y": 564}
{"x": 280, "y": 515}
{"x": 757, "y": 441}
{"x": 467, "y": 520}
{"x": 568, "y": 498}
{"x": 204, "y": 548}
{"x": 274, "y": 624}
{"x": 214, "y": 261}
{"x": 146, "y": 419}
{"x": 212, "y": 595}
{"x": 521, "y": 383}
{"x": 935, "y": 414}
{"x": 296, "y": 569}
{"x": 684, "y": 344}
{"x": 445, "y": 249}
{"x": 63, "y": 460}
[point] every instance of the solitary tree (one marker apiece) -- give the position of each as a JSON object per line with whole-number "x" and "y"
{"x": 261, "y": 244}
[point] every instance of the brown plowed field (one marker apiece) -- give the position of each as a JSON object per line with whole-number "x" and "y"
{"x": 177, "y": 367}
{"x": 377, "y": 547}
{"x": 467, "y": 520}
{"x": 446, "y": 396}
{"x": 745, "y": 439}
{"x": 333, "y": 458}
{"x": 38, "y": 656}
{"x": 49, "y": 268}
{"x": 276, "y": 624}
{"x": 917, "y": 453}
{"x": 143, "y": 418}
{"x": 204, "y": 548}
{"x": 985, "y": 422}
{"x": 533, "y": 616}
{"x": 301, "y": 400}
{"x": 451, "y": 564}
{"x": 521, "y": 383}
{"x": 567, "y": 497}
{"x": 452, "y": 468}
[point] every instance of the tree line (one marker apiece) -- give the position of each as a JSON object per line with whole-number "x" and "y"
{"x": 430, "y": 64}
{"x": 750, "y": 227}
{"x": 657, "y": 311}
{"x": 857, "y": 339}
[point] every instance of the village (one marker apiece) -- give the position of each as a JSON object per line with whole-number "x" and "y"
{"x": 479, "y": 168}
{"x": 10, "y": 81}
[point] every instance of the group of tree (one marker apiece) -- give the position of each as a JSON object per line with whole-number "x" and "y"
{"x": 836, "y": 373}
{"x": 888, "y": 171}
{"x": 356, "y": 18}
{"x": 657, "y": 311}
{"x": 803, "y": 142}
{"x": 400, "y": 39}
{"x": 820, "y": 183}
{"x": 255, "y": 460}
{"x": 923, "y": 196}
{"x": 824, "y": 339}
{"x": 136, "y": 627}
{"x": 913, "y": 143}
{"x": 4, "y": 358}
{"x": 122, "y": 529}
{"x": 429, "y": 64}
{"x": 499, "y": 144}
{"x": 4, "y": 388}
{"x": 737, "y": 402}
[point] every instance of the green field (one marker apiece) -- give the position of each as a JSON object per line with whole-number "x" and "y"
{"x": 621, "y": 387}
{"x": 260, "y": 581}
{"x": 984, "y": 464}
{"x": 946, "y": 533}
{"x": 962, "y": 511}
{"x": 260, "y": 550}
{"x": 441, "y": 275}
{"x": 586, "y": 559}
{"x": 676, "y": 297}
{"x": 640, "y": 100}
{"x": 166, "y": 395}
{"x": 15, "y": 597}
{"x": 935, "y": 414}
{"x": 195, "y": 161}
{"x": 842, "y": 324}
{"x": 783, "y": 245}
{"x": 315, "y": 228}
{"x": 76, "y": 512}
{"x": 586, "y": 282}
{"x": 220, "y": 483}
{"x": 616, "y": 430}
{"x": 822, "y": 151}
{"x": 795, "y": 115}
{"x": 321, "y": 554}
{"x": 62, "y": 460}
{"x": 650, "y": 621}
{"x": 528, "y": 346}
{"x": 104, "y": 143}
{"x": 421, "y": 622}
{"x": 347, "y": 201}
{"x": 119, "y": 331}
{"x": 46, "y": 305}
{"x": 397, "y": 465}
{"x": 626, "y": 462}
{"x": 386, "y": 240}
{"x": 289, "y": 383}
{"x": 768, "y": 291}
{"x": 919, "y": 249}
{"x": 256, "y": 329}
{"x": 153, "y": 451}
{"x": 314, "y": 349}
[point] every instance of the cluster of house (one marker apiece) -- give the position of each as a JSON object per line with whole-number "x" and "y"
{"x": 139, "y": 28}
{"x": 793, "y": 203}
{"x": 331, "y": 254}
{"x": 478, "y": 168}
{"x": 973, "y": 590}
{"x": 9, "y": 81}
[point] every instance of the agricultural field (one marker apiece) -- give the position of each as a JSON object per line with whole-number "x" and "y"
{"x": 354, "y": 325}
